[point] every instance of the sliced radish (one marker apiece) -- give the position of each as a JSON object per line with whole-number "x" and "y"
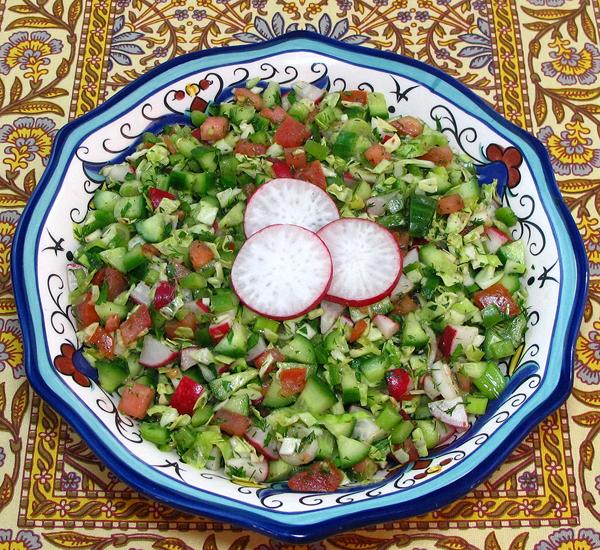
{"x": 430, "y": 388}
{"x": 155, "y": 353}
{"x": 495, "y": 239}
{"x": 331, "y": 312}
{"x": 289, "y": 201}
{"x": 254, "y": 470}
{"x": 367, "y": 262}
{"x": 193, "y": 355}
{"x": 443, "y": 380}
{"x": 263, "y": 442}
{"x": 255, "y": 351}
{"x": 141, "y": 294}
{"x": 221, "y": 325}
{"x": 455, "y": 335}
{"x": 450, "y": 411}
{"x": 412, "y": 256}
{"x": 403, "y": 286}
{"x": 387, "y": 326}
{"x": 282, "y": 271}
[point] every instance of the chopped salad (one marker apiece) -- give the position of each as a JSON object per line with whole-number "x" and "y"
{"x": 296, "y": 287}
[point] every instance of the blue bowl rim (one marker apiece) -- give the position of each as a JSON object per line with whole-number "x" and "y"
{"x": 280, "y": 530}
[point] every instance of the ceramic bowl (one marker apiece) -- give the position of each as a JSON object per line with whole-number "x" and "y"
{"x": 541, "y": 373}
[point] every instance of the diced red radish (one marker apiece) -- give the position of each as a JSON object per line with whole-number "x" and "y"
{"x": 197, "y": 307}
{"x": 453, "y": 336}
{"x": 155, "y": 353}
{"x": 398, "y": 383}
{"x": 157, "y": 195}
{"x": 450, "y": 411}
{"x": 376, "y": 205}
{"x": 289, "y": 201}
{"x": 282, "y": 271}
{"x": 495, "y": 239}
{"x": 445, "y": 432}
{"x": 193, "y": 355}
{"x": 403, "y": 286}
{"x": 281, "y": 169}
{"x": 347, "y": 321}
{"x": 186, "y": 395}
{"x": 221, "y": 326}
{"x": 306, "y": 90}
{"x": 412, "y": 256}
{"x": 430, "y": 388}
{"x": 367, "y": 262}
{"x": 258, "y": 439}
{"x": 255, "y": 351}
{"x": 141, "y": 294}
{"x": 443, "y": 380}
{"x": 331, "y": 312}
{"x": 387, "y": 326}
{"x": 257, "y": 471}
{"x": 294, "y": 452}
{"x": 163, "y": 295}
{"x": 367, "y": 430}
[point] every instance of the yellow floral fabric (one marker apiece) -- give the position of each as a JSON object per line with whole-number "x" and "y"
{"x": 535, "y": 61}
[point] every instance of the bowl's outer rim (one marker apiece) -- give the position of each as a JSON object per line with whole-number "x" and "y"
{"x": 298, "y": 532}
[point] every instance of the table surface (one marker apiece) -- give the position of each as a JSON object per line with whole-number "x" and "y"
{"x": 535, "y": 61}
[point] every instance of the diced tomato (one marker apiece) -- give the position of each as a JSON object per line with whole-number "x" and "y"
{"x": 245, "y": 147}
{"x": 103, "y": 341}
{"x": 464, "y": 382}
{"x": 376, "y": 153}
{"x": 85, "y": 311}
{"x": 320, "y": 477}
{"x": 218, "y": 332}
{"x": 156, "y": 195}
{"x": 291, "y": 133}
{"x": 249, "y": 189}
{"x": 200, "y": 255}
{"x": 354, "y": 96}
{"x": 292, "y": 381}
{"x": 276, "y": 115}
{"x": 410, "y": 448}
{"x": 498, "y": 296}
{"x": 186, "y": 394}
{"x": 164, "y": 294}
{"x": 357, "y": 330}
{"x": 172, "y": 149}
{"x": 402, "y": 238}
{"x": 214, "y": 128}
{"x": 408, "y": 126}
{"x": 405, "y": 305}
{"x": 231, "y": 422}
{"x": 313, "y": 173}
{"x": 281, "y": 169}
{"x": 398, "y": 381}
{"x": 244, "y": 95}
{"x": 135, "y": 325}
{"x": 450, "y": 204}
{"x": 136, "y": 400}
{"x": 272, "y": 355}
{"x": 442, "y": 156}
{"x": 172, "y": 326}
{"x": 115, "y": 281}
{"x": 295, "y": 158}
{"x": 112, "y": 323}
{"x": 365, "y": 469}
{"x": 149, "y": 250}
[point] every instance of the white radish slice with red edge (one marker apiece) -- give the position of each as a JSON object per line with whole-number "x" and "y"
{"x": 155, "y": 353}
{"x": 289, "y": 201}
{"x": 367, "y": 262}
{"x": 282, "y": 271}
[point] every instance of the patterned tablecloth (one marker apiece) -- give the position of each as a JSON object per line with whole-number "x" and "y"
{"x": 535, "y": 61}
